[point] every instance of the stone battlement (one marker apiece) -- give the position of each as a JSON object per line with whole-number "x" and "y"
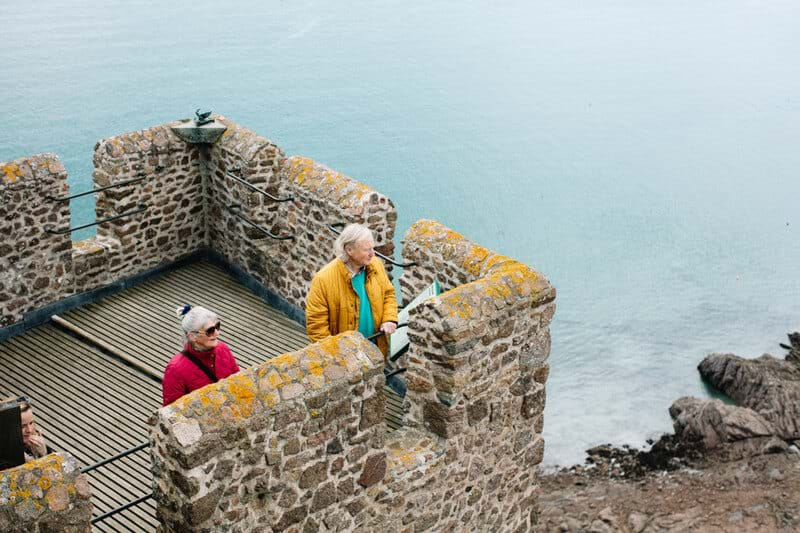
{"x": 299, "y": 442}
{"x": 48, "y": 494}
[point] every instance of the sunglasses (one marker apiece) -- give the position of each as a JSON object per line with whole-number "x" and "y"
{"x": 210, "y": 331}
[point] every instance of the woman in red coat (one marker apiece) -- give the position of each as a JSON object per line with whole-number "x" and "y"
{"x": 204, "y": 359}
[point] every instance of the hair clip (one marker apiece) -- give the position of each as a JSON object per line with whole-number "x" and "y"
{"x": 181, "y": 311}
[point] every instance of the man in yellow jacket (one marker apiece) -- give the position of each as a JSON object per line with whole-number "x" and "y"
{"x": 352, "y": 292}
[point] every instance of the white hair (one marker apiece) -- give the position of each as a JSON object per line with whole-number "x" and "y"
{"x": 350, "y": 235}
{"x": 194, "y": 318}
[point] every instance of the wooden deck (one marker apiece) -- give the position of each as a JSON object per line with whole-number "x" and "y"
{"x": 93, "y": 390}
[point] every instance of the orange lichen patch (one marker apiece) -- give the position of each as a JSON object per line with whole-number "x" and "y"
{"x": 242, "y": 392}
{"x": 235, "y": 395}
{"x": 270, "y": 398}
{"x": 277, "y": 380}
{"x": 315, "y": 368}
{"x": 455, "y": 302}
{"x": 310, "y": 175}
{"x": 499, "y": 276}
{"x": 11, "y": 172}
{"x": 18, "y": 484}
{"x": 287, "y": 359}
{"x": 54, "y": 166}
{"x": 411, "y": 452}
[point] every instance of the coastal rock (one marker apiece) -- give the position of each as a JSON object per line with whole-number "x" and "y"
{"x": 794, "y": 348}
{"x": 767, "y": 385}
{"x": 714, "y": 423}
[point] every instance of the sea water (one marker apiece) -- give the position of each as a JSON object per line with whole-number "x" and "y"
{"x": 642, "y": 155}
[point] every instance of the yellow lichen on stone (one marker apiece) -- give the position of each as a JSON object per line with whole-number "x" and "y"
{"x": 497, "y": 276}
{"x": 11, "y": 172}
{"x": 320, "y": 179}
{"x": 284, "y": 360}
{"x": 270, "y": 398}
{"x": 243, "y": 395}
{"x": 315, "y": 368}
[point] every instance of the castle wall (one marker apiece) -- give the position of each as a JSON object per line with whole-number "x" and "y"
{"x": 48, "y": 494}
{"x": 465, "y": 460}
{"x": 35, "y": 266}
{"x": 477, "y": 367}
{"x": 256, "y": 160}
{"x": 325, "y": 197}
{"x": 173, "y": 224}
{"x": 187, "y": 195}
{"x": 299, "y": 442}
{"x": 275, "y": 445}
{"x": 322, "y": 197}
{"x": 38, "y": 268}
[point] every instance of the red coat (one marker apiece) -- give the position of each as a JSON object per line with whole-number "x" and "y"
{"x": 182, "y": 376}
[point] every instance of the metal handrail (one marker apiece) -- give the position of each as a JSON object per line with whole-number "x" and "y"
{"x": 234, "y": 210}
{"x": 120, "y": 455}
{"x": 332, "y": 227}
{"x": 377, "y": 334}
{"x": 93, "y": 191}
{"x": 49, "y": 228}
{"x": 254, "y": 188}
{"x": 121, "y": 508}
{"x": 395, "y": 357}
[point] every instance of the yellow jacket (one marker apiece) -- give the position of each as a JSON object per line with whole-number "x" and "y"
{"x": 332, "y": 305}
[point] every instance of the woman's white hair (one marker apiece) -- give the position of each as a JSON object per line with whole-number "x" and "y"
{"x": 351, "y": 234}
{"x": 194, "y": 318}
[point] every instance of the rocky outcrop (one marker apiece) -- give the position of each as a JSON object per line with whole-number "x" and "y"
{"x": 713, "y": 424}
{"x": 766, "y": 417}
{"x": 767, "y": 385}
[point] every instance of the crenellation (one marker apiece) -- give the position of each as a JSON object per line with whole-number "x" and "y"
{"x": 299, "y": 442}
{"x": 47, "y": 494}
{"x": 35, "y": 266}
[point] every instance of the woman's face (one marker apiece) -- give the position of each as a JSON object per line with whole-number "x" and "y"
{"x": 207, "y": 337}
{"x": 362, "y": 252}
{"x": 28, "y": 425}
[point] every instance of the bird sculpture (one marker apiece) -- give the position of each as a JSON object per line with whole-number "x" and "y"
{"x": 202, "y": 118}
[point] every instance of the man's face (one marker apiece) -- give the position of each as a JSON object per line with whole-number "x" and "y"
{"x": 362, "y": 252}
{"x": 28, "y": 426}
{"x": 203, "y": 340}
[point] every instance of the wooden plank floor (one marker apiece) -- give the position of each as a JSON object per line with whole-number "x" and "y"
{"x": 94, "y": 406}
{"x": 141, "y": 322}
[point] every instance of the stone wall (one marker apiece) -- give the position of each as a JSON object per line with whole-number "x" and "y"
{"x": 173, "y": 224}
{"x": 256, "y": 160}
{"x": 299, "y": 442}
{"x": 48, "y": 494}
{"x": 38, "y": 268}
{"x": 275, "y": 445}
{"x": 35, "y": 266}
{"x": 322, "y": 197}
{"x": 477, "y": 367}
{"x": 295, "y": 455}
{"x": 187, "y": 194}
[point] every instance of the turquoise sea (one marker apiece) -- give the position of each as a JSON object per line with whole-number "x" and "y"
{"x": 643, "y": 155}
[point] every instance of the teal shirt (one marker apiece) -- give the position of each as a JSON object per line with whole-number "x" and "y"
{"x": 366, "y": 326}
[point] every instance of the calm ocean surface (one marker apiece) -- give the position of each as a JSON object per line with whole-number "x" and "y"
{"x": 643, "y": 155}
